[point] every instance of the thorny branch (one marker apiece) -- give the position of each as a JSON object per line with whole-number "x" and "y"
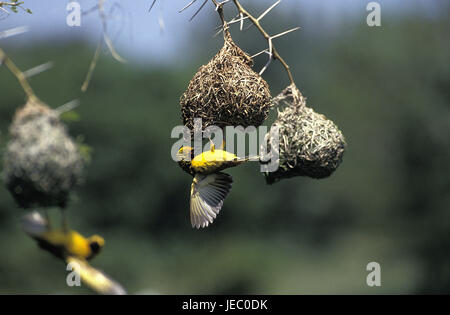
{"x": 243, "y": 14}
{"x": 273, "y": 53}
{"x": 21, "y": 77}
{"x": 13, "y": 5}
{"x": 219, "y": 9}
{"x": 109, "y": 44}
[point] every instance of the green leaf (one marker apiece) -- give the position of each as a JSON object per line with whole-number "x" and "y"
{"x": 84, "y": 149}
{"x": 70, "y": 116}
{"x": 85, "y": 152}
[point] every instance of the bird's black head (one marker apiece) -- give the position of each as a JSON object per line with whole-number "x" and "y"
{"x": 96, "y": 243}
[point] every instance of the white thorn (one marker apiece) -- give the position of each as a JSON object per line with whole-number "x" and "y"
{"x": 199, "y": 9}
{"x": 4, "y": 10}
{"x": 268, "y": 10}
{"x": 266, "y": 66}
{"x": 242, "y": 21}
{"x": 284, "y": 33}
{"x": 261, "y": 52}
{"x": 219, "y": 28}
{"x": 233, "y": 20}
{"x": 270, "y": 47}
{"x": 151, "y": 7}
{"x": 187, "y": 6}
{"x": 38, "y": 69}
{"x": 14, "y": 31}
{"x": 67, "y": 106}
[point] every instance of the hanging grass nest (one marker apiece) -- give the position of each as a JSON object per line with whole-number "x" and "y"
{"x": 41, "y": 161}
{"x": 309, "y": 143}
{"x": 226, "y": 91}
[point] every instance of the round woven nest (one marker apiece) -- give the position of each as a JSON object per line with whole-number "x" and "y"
{"x": 226, "y": 91}
{"x": 309, "y": 143}
{"x": 41, "y": 161}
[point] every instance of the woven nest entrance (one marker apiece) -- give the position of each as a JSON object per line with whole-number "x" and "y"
{"x": 226, "y": 91}
{"x": 41, "y": 161}
{"x": 309, "y": 143}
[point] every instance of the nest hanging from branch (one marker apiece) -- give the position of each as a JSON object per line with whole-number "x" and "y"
{"x": 226, "y": 91}
{"x": 309, "y": 143}
{"x": 41, "y": 161}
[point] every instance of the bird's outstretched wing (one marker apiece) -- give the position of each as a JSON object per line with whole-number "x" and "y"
{"x": 207, "y": 195}
{"x": 96, "y": 279}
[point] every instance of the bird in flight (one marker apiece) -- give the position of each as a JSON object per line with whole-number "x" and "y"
{"x": 74, "y": 249}
{"x": 210, "y": 186}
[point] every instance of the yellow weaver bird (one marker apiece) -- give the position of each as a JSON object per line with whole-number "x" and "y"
{"x": 210, "y": 186}
{"x": 71, "y": 247}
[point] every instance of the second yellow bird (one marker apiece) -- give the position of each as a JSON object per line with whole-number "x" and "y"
{"x": 59, "y": 242}
{"x": 74, "y": 249}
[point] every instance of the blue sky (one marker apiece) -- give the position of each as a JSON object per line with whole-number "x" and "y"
{"x": 137, "y": 35}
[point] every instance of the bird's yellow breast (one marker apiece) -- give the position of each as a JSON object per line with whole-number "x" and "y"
{"x": 72, "y": 243}
{"x": 212, "y": 161}
{"x": 214, "y": 156}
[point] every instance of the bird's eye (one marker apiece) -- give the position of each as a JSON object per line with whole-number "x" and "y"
{"x": 95, "y": 247}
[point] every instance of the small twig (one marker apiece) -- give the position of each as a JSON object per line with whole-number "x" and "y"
{"x": 92, "y": 66}
{"x": 4, "y": 59}
{"x": 265, "y": 66}
{"x": 219, "y": 9}
{"x": 259, "y": 18}
{"x": 38, "y": 69}
{"x": 187, "y": 6}
{"x": 67, "y": 107}
{"x": 13, "y": 31}
{"x": 93, "y": 9}
{"x": 161, "y": 23}
{"x": 273, "y": 53}
{"x": 242, "y": 21}
{"x": 9, "y": 3}
{"x": 236, "y": 19}
{"x": 199, "y": 9}
{"x": 268, "y": 10}
{"x": 151, "y": 6}
{"x": 261, "y": 52}
{"x": 108, "y": 42}
{"x": 196, "y": 12}
{"x": 285, "y": 32}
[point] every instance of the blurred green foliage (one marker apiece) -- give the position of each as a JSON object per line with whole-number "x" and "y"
{"x": 387, "y": 89}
